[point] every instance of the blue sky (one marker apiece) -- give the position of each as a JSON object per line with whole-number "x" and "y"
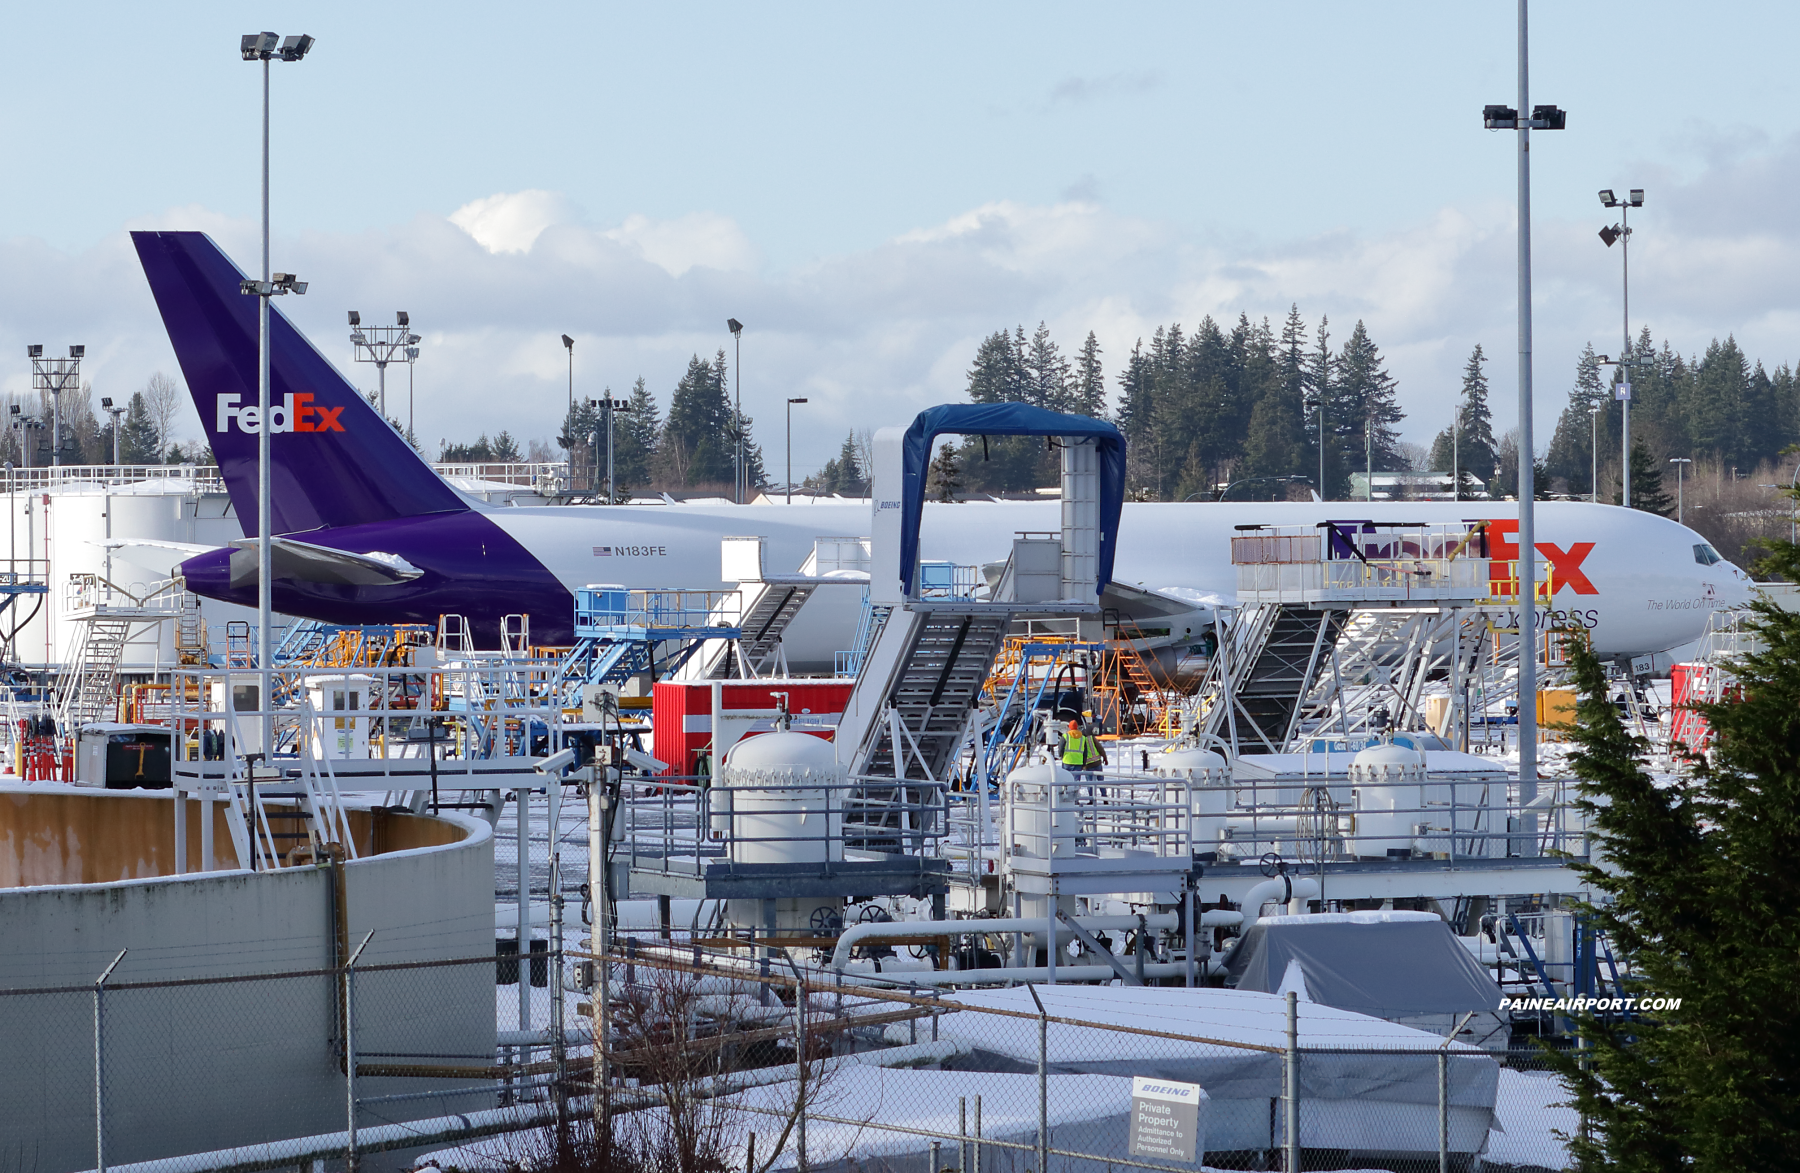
{"x": 872, "y": 190}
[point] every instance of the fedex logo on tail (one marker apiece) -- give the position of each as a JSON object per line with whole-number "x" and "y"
{"x": 295, "y": 413}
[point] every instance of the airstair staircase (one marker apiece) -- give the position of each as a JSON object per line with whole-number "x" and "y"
{"x": 1274, "y": 655}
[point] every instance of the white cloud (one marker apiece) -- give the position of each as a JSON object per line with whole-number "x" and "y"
{"x": 875, "y": 335}
{"x": 675, "y": 246}
{"x": 511, "y": 222}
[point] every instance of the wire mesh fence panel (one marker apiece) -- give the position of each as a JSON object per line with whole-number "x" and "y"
{"x": 1530, "y": 1110}
{"x": 46, "y": 1080}
{"x": 716, "y": 1060}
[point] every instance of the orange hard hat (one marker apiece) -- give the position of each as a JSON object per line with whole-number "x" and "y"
{"x": 1074, "y": 724}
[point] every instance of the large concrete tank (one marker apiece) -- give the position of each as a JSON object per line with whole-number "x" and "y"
{"x": 1387, "y": 781}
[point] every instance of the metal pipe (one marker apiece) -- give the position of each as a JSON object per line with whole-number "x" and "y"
{"x": 350, "y": 1053}
{"x": 1032, "y": 973}
{"x": 1293, "y": 1082}
{"x": 1527, "y": 486}
{"x": 857, "y": 934}
{"x": 265, "y": 588}
{"x": 1443, "y": 1074}
{"x": 100, "y": 1064}
{"x": 1043, "y": 1074}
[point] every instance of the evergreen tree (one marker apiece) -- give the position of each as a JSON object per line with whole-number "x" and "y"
{"x": 1320, "y": 375}
{"x": 843, "y": 473}
{"x": 1365, "y": 396}
{"x": 1702, "y": 900}
{"x": 137, "y": 434}
{"x": 1047, "y": 376}
{"x": 1646, "y": 484}
{"x": 1570, "y": 458}
{"x": 1472, "y": 448}
{"x": 998, "y": 374}
{"x": 636, "y": 431}
{"x": 1276, "y": 442}
{"x": 1089, "y": 387}
{"x": 1009, "y": 370}
{"x": 699, "y": 437}
{"x": 945, "y": 480}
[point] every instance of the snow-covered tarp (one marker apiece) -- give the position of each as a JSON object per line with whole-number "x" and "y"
{"x": 1366, "y": 1085}
{"x": 1387, "y": 964}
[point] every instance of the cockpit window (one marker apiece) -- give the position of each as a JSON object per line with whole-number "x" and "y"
{"x": 1705, "y": 555}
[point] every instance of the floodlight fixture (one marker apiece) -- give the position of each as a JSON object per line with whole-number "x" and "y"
{"x": 14, "y": 409}
{"x": 77, "y": 352}
{"x": 358, "y": 337}
{"x": 355, "y": 318}
{"x": 412, "y": 353}
{"x": 295, "y": 47}
{"x": 735, "y": 326}
{"x": 1610, "y": 234}
{"x": 1607, "y": 199}
{"x": 413, "y": 340}
{"x": 1507, "y": 118}
{"x": 257, "y": 46}
{"x": 35, "y": 350}
{"x": 401, "y": 317}
{"x": 568, "y": 343}
{"x": 106, "y": 401}
{"x": 1637, "y": 197}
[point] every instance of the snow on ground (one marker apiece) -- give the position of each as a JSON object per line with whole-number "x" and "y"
{"x": 1526, "y": 1118}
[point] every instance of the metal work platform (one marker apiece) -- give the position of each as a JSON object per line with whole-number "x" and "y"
{"x": 622, "y": 633}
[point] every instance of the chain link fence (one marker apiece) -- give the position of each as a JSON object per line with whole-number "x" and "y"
{"x": 721, "y": 1060}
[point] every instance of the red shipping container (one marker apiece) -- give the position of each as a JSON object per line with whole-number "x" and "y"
{"x": 681, "y": 713}
{"x": 1689, "y": 683}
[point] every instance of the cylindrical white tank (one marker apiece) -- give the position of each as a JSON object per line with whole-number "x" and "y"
{"x": 1209, "y": 775}
{"x": 1386, "y": 780}
{"x": 1041, "y": 811}
{"x": 777, "y": 794}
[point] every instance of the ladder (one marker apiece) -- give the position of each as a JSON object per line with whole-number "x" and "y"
{"x": 94, "y": 672}
{"x": 191, "y": 647}
{"x": 1275, "y": 652}
{"x": 764, "y": 620}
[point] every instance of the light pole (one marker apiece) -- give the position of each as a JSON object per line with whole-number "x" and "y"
{"x": 1678, "y": 462}
{"x": 382, "y": 345}
{"x": 1321, "y": 443}
{"x": 1540, "y": 118}
{"x": 1621, "y": 232}
{"x": 737, "y": 409}
{"x": 106, "y": 405}
{"x": 1456, "y": 451}
{"x": 569, "y": 345}
{"x": 266, "y": 47}
{"x": 1369, "y": 458}
{"x": 24, "y": 425}
{"x": 790, "y": 448}
{"x": 55, "y": 375}
{"x": 1594, "y": 454}
{"x": 412, "y": 356}
{"x": 608, "y": 405}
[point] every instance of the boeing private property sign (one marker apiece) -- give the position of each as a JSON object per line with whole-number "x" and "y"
{"x": 1165, "y": 1120}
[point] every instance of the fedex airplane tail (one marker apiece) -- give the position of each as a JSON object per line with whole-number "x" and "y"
{"x": 334, "y": 460}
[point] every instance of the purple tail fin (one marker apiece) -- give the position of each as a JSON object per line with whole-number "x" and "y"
{"x": 334, "y": 460}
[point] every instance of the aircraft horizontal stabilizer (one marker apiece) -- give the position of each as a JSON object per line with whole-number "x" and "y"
{"x": 306, "y": 562}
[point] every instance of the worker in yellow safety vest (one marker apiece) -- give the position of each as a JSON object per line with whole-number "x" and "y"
{"x": 1081, "y": 752}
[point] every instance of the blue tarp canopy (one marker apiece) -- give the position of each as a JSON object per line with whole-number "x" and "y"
{"x": 1007, "y": 419}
